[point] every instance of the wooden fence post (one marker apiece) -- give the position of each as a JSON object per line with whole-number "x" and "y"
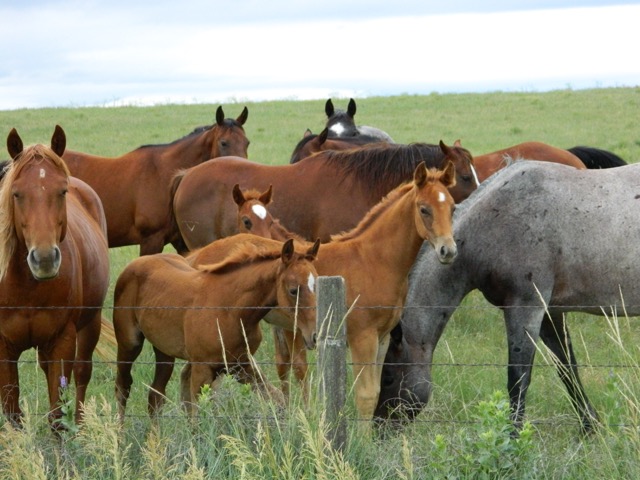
{"x": 332, "y": 355}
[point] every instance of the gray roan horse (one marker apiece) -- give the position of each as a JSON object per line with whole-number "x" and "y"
{"x": 521, "y": 239}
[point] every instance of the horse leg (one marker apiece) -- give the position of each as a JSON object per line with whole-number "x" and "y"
{"x": 83, "y": 366}
{"x": 129, "y": 348}
{"x": 164, "y": 370}
{"x": 523, "y": 329}
{"x": 9, "y": 385}
{"x": 555, "y": 336}
{"x": 364, "y": 352}
{"x": 57, "y": 361}
{"x": 299, "y": 362}
{"x": 282, "y": 343}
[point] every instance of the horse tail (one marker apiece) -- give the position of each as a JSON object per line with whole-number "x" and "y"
{"x": 594, "y": 158}
{"x": 106, "y": 348}
{"x": 175, "y": 237}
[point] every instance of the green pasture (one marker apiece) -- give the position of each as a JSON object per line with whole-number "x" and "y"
{"x": 463, "y": 433}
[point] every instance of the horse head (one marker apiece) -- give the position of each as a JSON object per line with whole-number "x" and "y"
{"x": 34, "y": 195}
{"x": 434, "y": 208}
{"x": 296, "y": 288}
{"x": 339, "y": 122}
{"x": 228, "y": 137}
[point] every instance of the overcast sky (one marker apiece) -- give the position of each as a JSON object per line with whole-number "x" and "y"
{"x": 79, "y": 53}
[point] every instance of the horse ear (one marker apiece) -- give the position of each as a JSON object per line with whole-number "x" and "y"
{"x": 445, "y": 149}
{"x": 328, "y": 108}
{"x": 449, "y": 176}
{"x": 287, "y": 251}
{"x": 58, "y": 141}
{"x": 243, "y": 116}
{"x": 351, "y": 109}
{"x": 307, "y": 133}
{"x": 420, "y": 174}
{"x": 457, "y": 143}
{"x": 312, "y": 253}
{"x": 324, "y": 134}
{"x": 14, "y": 144}
{"x": 238, "y": 196}
{"x": 219, "y": 115}
{"x": 265, "y": 197}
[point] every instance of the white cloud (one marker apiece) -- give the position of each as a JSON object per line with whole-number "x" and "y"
{"x": 92, "y": 56}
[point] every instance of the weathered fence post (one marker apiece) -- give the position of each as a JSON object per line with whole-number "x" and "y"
{"x": 332, "y": 355}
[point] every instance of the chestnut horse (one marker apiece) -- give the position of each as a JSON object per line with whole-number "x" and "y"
{"x": 312, "y": 143}
{"x": 54, "y": 272}
{"x": 134, "y": 188}
{"x": 375, "y": 258}
{"x": 248, "y": 277}
{"x": 325, "y": 194}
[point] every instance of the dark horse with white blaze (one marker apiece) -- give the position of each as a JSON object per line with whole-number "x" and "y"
{"x": 521, "y": 243}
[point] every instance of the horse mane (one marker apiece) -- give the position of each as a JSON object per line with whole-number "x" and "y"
{"x": 377, "y": 210}
{"x": 380, "y": 165}
{"x": 244, "y": 253}
{"x": 34, "y": 153}
{"x": 228, "y": 123}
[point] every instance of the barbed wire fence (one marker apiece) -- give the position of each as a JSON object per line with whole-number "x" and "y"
{"x": 332, "y": 370}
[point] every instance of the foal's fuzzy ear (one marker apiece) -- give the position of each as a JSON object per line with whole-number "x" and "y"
{"x": 14, "y": 144}
{"x": 58, "y": 141}
{"x": 287, "y": 251}
{"x": 238, "y": 196}
{"x": 266, "y": 197}
{"x": 420, "y": 174}
{"x": 312, "y": 253}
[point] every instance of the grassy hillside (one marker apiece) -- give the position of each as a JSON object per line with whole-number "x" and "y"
{"x": 464, "y": 427}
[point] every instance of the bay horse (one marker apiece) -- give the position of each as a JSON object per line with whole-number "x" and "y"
{"x": 312, "y": 143}
{"x": 596, "y": 157}
{"x": 54, "y": 272}
{"x": 375, "y": 257}
{"x": 578, "y": 157}
{"x": 548, "y": 271}
{"x": 210, "y": 314}
{"x": 134, "y": 188}
{"x": 341, "y": 123}
{"x": 325, "y": 194}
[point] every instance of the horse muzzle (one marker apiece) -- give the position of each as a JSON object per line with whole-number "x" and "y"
{"x": 446, "y": 251}
{"x": 44, "y": 263}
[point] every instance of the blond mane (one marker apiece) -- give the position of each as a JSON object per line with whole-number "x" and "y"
{"x": 35, "y": 153}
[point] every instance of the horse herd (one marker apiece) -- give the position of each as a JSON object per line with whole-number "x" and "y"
{"x": 252, "y": 238}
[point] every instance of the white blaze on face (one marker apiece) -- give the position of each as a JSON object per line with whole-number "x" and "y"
{"x": 475, "y": 176}
{"x": 42, "y": 173}
{"x": 311, "y": 283}
{"x": 337, "y": 128}
{"x": 441, "y": 197}
{"x": 260, "y": 211}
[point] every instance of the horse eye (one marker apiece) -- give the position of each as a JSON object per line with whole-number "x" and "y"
{"x": 247, "y": 223}
{"x": 425, "y": 211}
{"x": 466, "y": 178}
{"x": 293, "y": 291}
{"x": 224, "y": 144}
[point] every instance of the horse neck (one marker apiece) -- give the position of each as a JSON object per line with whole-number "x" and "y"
{"x": 256, "y": 287}
{"x": 193, "y": 149}
{"x": 391, "y": 240}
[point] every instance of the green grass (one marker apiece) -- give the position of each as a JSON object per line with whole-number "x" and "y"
{"x": 238, "y": 435}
